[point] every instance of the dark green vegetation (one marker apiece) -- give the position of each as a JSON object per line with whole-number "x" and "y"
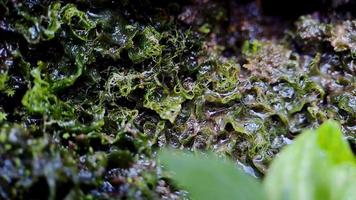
{"x": 90, "y": 90}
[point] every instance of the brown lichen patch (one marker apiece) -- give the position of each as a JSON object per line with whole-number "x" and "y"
{"x": 344, "y": 36}
{"x": 270, "y": 62}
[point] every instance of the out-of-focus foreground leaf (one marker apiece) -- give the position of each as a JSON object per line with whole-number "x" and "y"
{"x": 319, "y": 165}
{"x": 209, "y": 178}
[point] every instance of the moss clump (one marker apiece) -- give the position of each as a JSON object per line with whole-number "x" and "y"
{"x": 90, "y": 90}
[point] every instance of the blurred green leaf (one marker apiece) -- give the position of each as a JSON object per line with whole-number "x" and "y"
{"x": 206, "y": 177}
{"x": 319, "y": 165}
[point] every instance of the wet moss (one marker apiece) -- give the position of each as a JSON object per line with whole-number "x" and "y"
{"x": 90, "y": 90}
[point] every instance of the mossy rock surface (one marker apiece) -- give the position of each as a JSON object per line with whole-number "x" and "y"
{"x": 91, "y": 90}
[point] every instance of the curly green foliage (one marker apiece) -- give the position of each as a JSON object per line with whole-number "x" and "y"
{"x": 165, "y": 104}
{"x": 64, "y": 81}
{"x": 117, "y": 36}
{"x": 109, "y": 77}
{"x": 54, "y": 24}
{"x": 274, "y": 97}
{"x": 38, "y": 28}
{"x": 78, "y": 21}
{"x": 125, "y": 82}
{"x": 4, "y": 86}
{"x": 4, "y": 77}
{"x": 347, "y": 103}
{"x": 146, "y": 45}
{"x": 40, "y": 99}
{"x": 219, "y": 80}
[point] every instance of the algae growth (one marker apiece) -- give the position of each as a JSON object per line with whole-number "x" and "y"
{"x": 90, "y": 90}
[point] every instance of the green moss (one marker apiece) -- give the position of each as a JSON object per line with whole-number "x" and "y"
{"x": 2, "y": 116}
{"x": 40, "y": 98}
{"x": 98, "y": 79}
{"x": 78, "y": 21}
{"x": 167, "y": 105}
{"x": 146, "y": 45}
{"x": 346, "y": 102}
{"x": 251, "y": 48}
